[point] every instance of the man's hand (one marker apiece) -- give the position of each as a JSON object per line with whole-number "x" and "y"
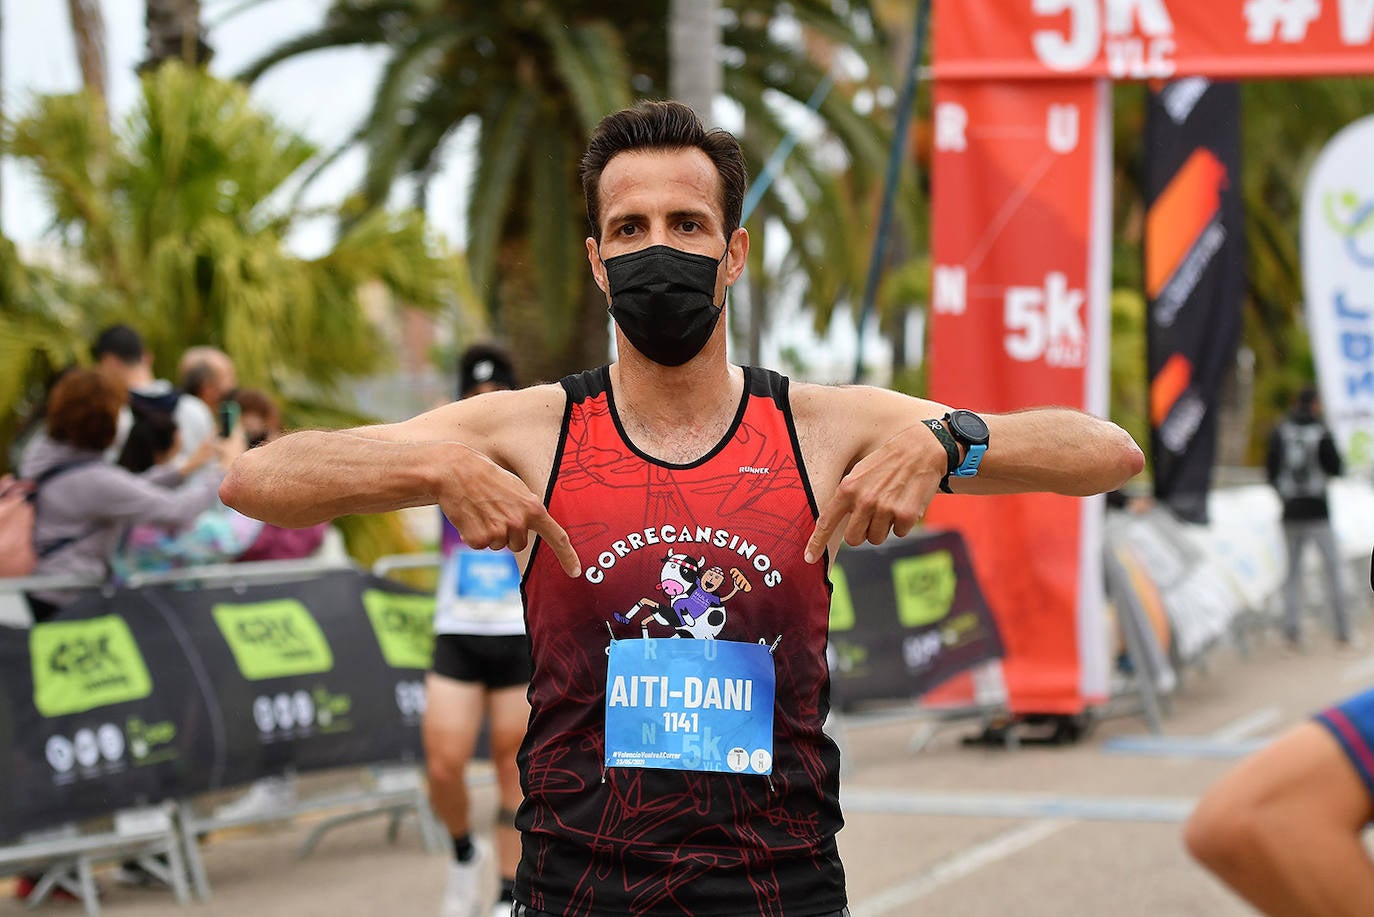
{"x": 492, "y": 508}
{"x": 887, "y": 492}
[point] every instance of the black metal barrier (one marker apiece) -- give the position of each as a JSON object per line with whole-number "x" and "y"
{"x": 905, "y": 616}
{"x": 140, "y": 695}
{"x": 162, "y": 691}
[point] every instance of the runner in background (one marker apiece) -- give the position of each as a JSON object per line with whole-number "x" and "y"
{"x": 1301, "y": 460}
{"x": 1285, "y": 828}
{"x": 481, "y": 666}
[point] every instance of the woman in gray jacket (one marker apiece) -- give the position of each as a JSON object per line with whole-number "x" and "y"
{"x": 83, "y": 504}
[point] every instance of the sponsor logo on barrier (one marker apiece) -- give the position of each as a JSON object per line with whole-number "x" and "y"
{"x": 410, "y": 700}
{"x": 296, "y": 714}
{"x": 841, "y": 603}
{"x": 404, "y": 625}
{"x": 80, "y": 665}
{"x": 150, "y": 743}
{"x": 98, "y": 749}
{"x": 924, "y": 586}
{"x": 274, "y": 639}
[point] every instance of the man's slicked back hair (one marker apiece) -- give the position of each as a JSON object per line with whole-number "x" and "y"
{"x": 667, "y": 126}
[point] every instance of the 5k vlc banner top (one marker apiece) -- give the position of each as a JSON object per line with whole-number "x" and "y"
{"x": 1152, "y": 39}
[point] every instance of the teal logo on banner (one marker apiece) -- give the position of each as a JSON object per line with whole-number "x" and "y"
{"x": 690, "y": 705}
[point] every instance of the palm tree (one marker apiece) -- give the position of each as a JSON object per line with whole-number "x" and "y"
{"x": 181, "y": 235}
{"x": 88, "y": 28}
{"x": 537, "y": 76}
{"x": 174, "y": 33}
{"x": 693, "y": 45}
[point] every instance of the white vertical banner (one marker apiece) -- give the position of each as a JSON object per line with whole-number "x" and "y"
{"x": 1338, "y": 279}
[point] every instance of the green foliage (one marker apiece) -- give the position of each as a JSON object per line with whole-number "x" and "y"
{"x": 1129, "y": 381}
{"x": 175, "y": 224}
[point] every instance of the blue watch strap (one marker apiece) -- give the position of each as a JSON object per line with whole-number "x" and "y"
{"x": 969, "y": 467}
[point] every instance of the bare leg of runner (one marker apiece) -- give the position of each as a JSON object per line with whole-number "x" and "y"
{"x": 453, "y": 717}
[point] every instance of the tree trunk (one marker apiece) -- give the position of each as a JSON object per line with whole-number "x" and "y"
{"x": 174, "y": 33}
{"x": 88, "y": 28}
{"x": 693, "y": 68}
{"x": 522, "y": 325}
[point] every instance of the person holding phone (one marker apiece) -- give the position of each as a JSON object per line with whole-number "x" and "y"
{"x": 229, "y": 413}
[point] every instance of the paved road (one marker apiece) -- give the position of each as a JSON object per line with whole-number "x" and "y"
{"x": 951, "y": 829}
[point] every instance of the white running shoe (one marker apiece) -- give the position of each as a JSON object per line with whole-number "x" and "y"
{"x": 463, "y": 891}
{"x": 501, "y": 909}
{"x": 266, "y": 797}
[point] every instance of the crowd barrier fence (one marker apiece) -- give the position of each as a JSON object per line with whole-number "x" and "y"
{"x": 155, "y": 693}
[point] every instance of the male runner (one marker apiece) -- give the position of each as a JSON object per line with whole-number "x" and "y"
{"x": 673, "y": 443}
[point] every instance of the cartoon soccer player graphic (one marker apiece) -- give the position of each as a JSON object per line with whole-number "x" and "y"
{"x": 694, "y": 597}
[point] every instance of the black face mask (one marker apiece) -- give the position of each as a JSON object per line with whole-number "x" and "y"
{"x": 664, "y": 301}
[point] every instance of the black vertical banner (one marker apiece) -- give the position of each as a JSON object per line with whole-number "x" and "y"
{"x": 1194, "y": 279}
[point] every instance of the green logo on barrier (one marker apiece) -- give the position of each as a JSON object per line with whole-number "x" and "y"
{"x": 924, "y": 586}
{"x": 274, "y": 639}
{"x": 81, "y": 665}
{"x": 404, "y": 625}
{"x": 841, "y": 605}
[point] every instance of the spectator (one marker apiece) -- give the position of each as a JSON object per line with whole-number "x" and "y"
{"x": 119, "y": 354}
{"x": 1301, "y": 458}
{"x": 208, "y": 373}
{"x": 82, "y": 512}
{"x": 217, "y": 535}
{"x": 152, "y": 440}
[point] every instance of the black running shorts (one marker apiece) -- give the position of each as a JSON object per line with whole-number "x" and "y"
{"x": 496, "y": 662}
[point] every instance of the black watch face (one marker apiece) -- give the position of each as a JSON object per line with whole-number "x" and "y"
{"x": 968, "y": 426}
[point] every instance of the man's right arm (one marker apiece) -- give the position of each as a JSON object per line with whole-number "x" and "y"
{"x": 452, "y": 456}
{"x": 315, "y": 476}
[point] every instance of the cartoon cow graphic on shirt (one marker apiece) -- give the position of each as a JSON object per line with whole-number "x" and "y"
{"x": 696, "y": 607}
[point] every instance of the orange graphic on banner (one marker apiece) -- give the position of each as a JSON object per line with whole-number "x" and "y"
{"x": 1179, "y": 215}
{"x": 1166, "y": 387}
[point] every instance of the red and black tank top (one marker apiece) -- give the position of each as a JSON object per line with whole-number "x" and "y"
{"x": 647, "y": 841}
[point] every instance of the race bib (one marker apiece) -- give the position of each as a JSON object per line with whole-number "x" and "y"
{"x": 695, "y": 705}
{"x": 480, "y": 585}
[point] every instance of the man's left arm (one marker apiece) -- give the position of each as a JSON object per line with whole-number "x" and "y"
{"x": 895, "y": 461}
{"x": 1059, "y": 450}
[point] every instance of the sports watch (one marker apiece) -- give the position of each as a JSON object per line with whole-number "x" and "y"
{"x": 971, "y": 430}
